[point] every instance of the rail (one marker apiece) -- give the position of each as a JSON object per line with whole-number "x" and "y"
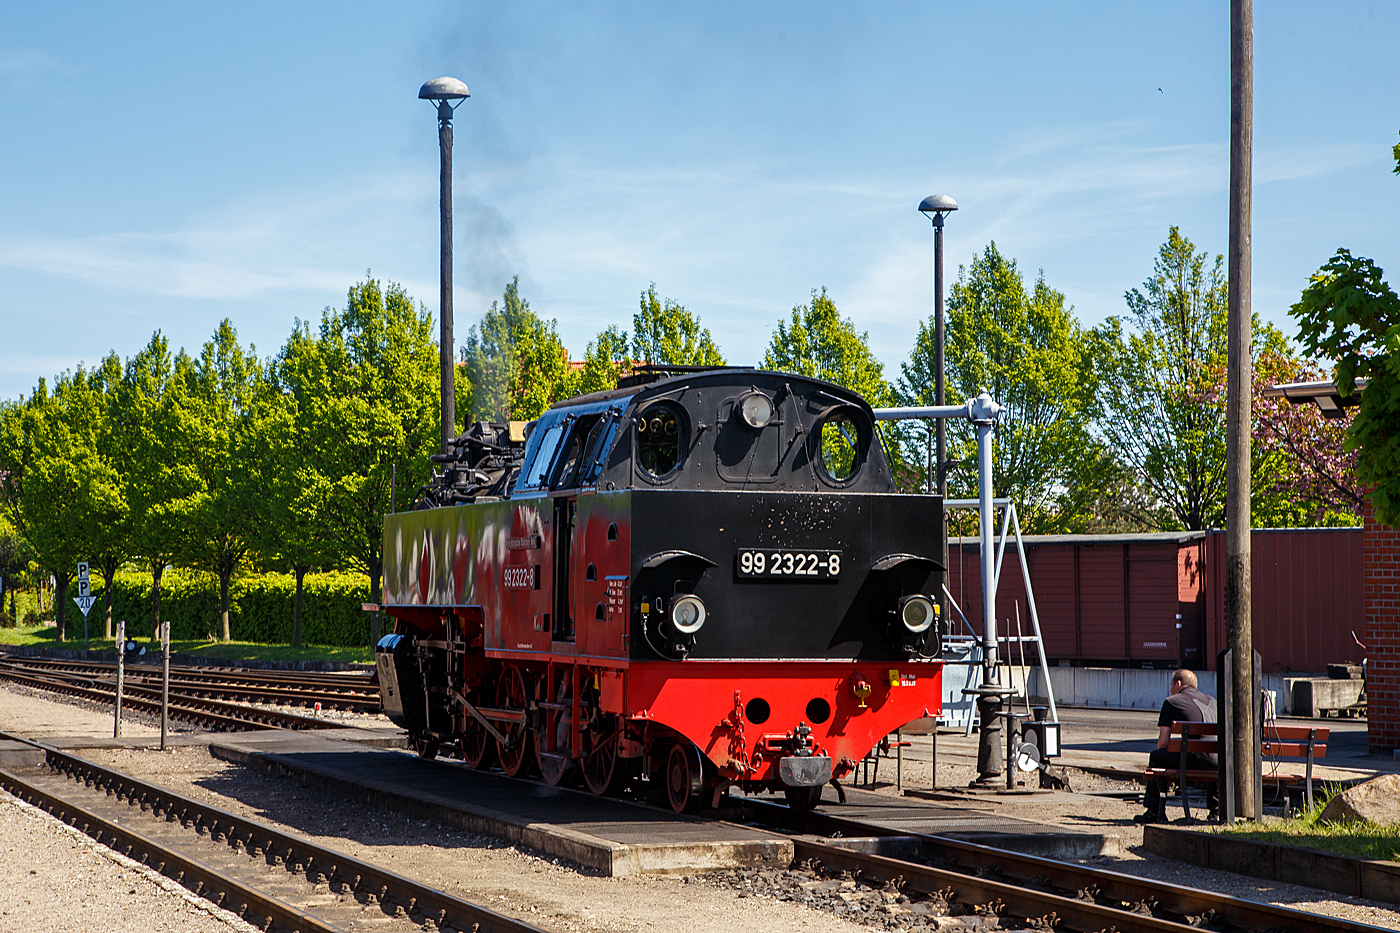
{"x": 314, "y": 864}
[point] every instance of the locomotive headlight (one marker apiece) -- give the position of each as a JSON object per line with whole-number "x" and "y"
{"x": 917, "y": 613}
{"x": 756, "y": 409}
{"x": 687, "y": 614}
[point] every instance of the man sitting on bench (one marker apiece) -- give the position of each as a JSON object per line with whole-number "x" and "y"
{"x": 1186, "y": 704}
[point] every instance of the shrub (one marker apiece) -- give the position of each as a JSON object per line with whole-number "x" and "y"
{"x": 260, "y": 607}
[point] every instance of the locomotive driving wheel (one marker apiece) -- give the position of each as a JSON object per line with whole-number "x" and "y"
{"x": 605, "y": 771}
{"x": 516, "y": 753}
{"x": 477, "y": 746}
{"x": 683, "y": 777}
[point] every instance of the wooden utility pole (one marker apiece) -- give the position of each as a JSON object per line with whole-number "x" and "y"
{"x": 1238, "y": 629}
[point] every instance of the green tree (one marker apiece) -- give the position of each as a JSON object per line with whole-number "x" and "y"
{"x": 14, "y": 559}
{"x": 817, "y": 341}
{"x": 157, "y": 440}
{"x": 664, "y": 332}
{"x": 288, "y": 527}
{"x": 221, "y": 387}
{"x": 1029, "y": 352}
{"x": 1349, "y": 313}
{"x": 58, "y": 486}
{"x": 111, "y": 541}
{"x": 366, "y": 404}
{"x": 1163, "y": 386}
{"x": 604, "y": 361}
{"x": 515, "y": 362}
{"x": 1163, "y": 390}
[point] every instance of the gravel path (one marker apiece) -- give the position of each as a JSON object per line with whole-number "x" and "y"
{"x": 559, "y": 897}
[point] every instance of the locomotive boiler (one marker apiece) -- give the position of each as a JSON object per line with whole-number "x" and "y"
{"x": 704, "y": 578}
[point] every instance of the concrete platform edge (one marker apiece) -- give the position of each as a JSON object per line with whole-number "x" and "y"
{"x": 603, "y": 855}
{"x": 1312, "y": 868}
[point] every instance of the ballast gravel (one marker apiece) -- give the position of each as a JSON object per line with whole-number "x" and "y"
{"x": 562, "y": 897}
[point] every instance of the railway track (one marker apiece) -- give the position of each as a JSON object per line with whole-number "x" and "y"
{"x": 212, "y": 714}
{"x": 273, "y": 880}
{"x": 1075, "y": 897}
{"x": 351, "y": 692}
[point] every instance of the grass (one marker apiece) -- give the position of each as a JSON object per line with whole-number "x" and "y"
{"x": 1363, "y": 840}
{"x": 42, "y": 636}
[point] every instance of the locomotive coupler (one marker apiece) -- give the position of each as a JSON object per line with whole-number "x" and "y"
{"x": 803, "y": 768}
{"x": 805, "y": 771}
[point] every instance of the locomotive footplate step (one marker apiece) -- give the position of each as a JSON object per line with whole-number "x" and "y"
{"x": 615, "y": 837}
{"x": 983, "y": 827}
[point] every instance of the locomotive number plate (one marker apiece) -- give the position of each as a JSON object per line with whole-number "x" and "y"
{"x": 781, "y": 563}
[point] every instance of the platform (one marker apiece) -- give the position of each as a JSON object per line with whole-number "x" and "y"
{"x": 967, "y": 820}
{"x": 614, "y": 837}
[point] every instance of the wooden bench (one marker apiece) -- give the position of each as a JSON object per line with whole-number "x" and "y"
{"x": 1279, "y": 741}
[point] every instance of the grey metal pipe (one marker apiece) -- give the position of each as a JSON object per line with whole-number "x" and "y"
{"x": 930, "y": 411}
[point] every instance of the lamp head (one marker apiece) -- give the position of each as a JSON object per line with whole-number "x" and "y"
{"x": 934, "y": 203}
{"x": 443, "y": 89}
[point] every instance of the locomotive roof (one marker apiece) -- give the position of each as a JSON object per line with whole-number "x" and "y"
{"x": 719, "y": 375}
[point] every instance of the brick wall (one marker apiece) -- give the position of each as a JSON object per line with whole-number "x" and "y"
{"x": 1381, "y": 560}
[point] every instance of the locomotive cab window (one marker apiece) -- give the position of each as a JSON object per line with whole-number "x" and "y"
{"x": 535, "y": 473}
{"x": 843, "y": 440}
{"x": 581, "y": 459}
{"x": 662, "y": 436}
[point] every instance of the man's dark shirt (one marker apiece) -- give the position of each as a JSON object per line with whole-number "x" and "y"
{"x": 1183, "y": 707}
{"x": 1186, "y": 707}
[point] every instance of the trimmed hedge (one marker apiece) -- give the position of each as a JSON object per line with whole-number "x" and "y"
{"x": 260, "y": 607}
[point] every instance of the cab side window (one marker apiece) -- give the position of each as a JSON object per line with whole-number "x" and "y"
{"x": 572, "y": 459}
{"x": 535, "y": 473}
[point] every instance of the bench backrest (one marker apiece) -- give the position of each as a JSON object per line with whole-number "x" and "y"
{"x": 1280, "y": 741}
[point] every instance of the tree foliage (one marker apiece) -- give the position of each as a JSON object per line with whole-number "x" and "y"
{"x": 817, "y": 341}
{"x": 515, "y": 362}
{"x": 664, "y": 332}
{"x": 1164, "y": 397}
{"x": 60, "y": 491}
{"x": 364, "y": 392}
{"x": 221, "y": 389}
{"x": 1304, "y": 472}
{"x": 1028, "y": 351}
{"x": 1349, "y": 313}
{"x": 604, "y": 361}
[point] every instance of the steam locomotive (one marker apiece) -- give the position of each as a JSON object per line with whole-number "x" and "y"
{"x": 704, "y": 578}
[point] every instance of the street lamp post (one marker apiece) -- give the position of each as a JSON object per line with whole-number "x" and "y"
{"x": 935, "y": 206}
{"x": 445, "y": 91}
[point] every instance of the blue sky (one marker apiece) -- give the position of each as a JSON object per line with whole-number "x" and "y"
{"x": 169, "y": 165}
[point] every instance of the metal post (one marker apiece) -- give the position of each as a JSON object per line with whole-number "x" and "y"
{"x": 446, "y": 347}
{"x": 941, "y": 451}
{"x": 164, "y": 681}
{"x": 121, "y": 676}
{"x": 983, "y": 413}
{"x": 1238, "y": 626}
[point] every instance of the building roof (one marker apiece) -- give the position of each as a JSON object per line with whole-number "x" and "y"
{"x": 1152, "y": 537}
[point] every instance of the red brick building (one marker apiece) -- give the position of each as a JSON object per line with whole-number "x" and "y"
{"x": 1380, "y": 552}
